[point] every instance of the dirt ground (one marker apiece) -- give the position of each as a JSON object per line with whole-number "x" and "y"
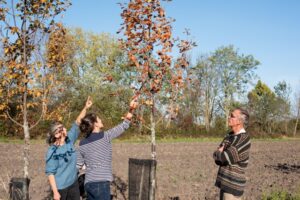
{"x": 184, "y": 170}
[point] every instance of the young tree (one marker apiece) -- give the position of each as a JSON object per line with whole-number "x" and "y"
{"x": 298, "y": 112}
{"x": 262, "y": 105}
{"x": 235, "y": 72}
{"x": 283, "y": 91}
{"x": 25, "y": 78}
{"x": 148, "y": 42}
{"x": 208, "y": 77}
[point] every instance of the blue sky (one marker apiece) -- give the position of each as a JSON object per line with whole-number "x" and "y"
{"x": 267, "y": 29}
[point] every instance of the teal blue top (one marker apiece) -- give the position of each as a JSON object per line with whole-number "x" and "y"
{"x": 61, "y": 160}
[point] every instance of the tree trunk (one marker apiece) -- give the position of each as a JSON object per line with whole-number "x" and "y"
{"x": 26, "y": 144}
{"x": 207, "y": 113}
{"x": 226, "y": 110}
{"x": 296, "y": 126}
{"x": 153, "y": 153}
{"x": 26, "y": 159}
{"x": 297, "y": 119}
{"x": 141, "y": 113}
{"x": 25, "y": 120}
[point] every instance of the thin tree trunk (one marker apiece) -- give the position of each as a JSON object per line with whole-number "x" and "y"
{"x": 141, "y": 113}
{"x": 26, "y": 145}
{"x": 296, "y": 126}
{"x": 207, "y": 112}
{"x": 26, "y": 160}
{"x": 25, "y": 120}
{"x": 297, "y": 119}
{"x": 226, "y": 116}
{"x": 153, "y": 154}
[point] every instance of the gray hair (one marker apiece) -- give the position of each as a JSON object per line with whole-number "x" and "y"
{"x": 244, "y": 116}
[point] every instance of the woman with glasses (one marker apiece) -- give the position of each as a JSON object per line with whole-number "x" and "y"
{"x": 61, "y": 158}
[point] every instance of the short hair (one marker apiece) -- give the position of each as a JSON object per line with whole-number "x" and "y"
{"x": 244, "y": 116}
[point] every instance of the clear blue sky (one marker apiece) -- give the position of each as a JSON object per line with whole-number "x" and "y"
{"x": 267, "y": 29}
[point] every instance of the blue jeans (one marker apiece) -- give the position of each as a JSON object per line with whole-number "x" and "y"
{"x": 98, "y": 190}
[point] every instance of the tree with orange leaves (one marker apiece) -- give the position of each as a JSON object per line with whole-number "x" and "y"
{"x": 28, "y": 66}
{"x": 149, "y": 43}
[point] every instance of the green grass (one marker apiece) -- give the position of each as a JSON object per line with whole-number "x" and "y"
{"x": 281, "y": 195}
{"x": 147, "y": 139}
{"x": 10, "y": 140}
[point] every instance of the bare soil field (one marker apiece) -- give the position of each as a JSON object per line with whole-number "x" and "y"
{"x": 184, "y": 170}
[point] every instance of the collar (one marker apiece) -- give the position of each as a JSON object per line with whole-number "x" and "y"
{"x": 241, "y": 131}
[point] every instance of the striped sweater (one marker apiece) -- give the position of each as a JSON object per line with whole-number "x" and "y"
{"x": 233, "y": 162}
{"x": 95, "y": 152}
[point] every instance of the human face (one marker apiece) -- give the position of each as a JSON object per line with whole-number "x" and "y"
{"x": 60, "y": 131}
{"x": 99, "y": 124}
{"x": 234, "y": 119}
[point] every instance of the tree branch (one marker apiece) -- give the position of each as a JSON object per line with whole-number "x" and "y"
{"x": 13, "y": 120}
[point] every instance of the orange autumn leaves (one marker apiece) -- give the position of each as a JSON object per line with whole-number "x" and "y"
{"x": 29, "y": 65}
{"x": 149, "y": 43}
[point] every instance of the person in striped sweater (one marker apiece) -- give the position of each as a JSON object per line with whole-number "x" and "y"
{"x": 95, "y": 152}
{"x": 232, "y": 157}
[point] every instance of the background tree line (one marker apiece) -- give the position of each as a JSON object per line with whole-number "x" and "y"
{"x": 94, "y": 64}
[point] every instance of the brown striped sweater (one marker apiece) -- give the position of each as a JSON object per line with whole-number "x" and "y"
{"x": 233, "y": 161}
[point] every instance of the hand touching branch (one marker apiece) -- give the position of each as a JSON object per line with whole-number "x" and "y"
{"x": 132, "y": 106}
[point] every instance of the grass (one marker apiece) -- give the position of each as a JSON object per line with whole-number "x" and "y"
{"x": 281, "y": 195}
{"x": 147, "y": 139}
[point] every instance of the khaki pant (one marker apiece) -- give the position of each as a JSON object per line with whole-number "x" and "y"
{"x": 227, "y": 196}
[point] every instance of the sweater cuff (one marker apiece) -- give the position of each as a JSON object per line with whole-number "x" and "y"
{"x": 127, "y": 121}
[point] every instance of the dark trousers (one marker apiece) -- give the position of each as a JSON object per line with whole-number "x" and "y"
{"x": 98, "y": 190}
{"x": 71, "y": 192}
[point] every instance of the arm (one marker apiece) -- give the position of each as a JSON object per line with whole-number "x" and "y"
{"x": 51, "y": 168}
{"x": 229, "y": 156}
{"x": 118, "y": 130}
{"x": 56, "y": 195}
{"x": 217, "y": 156}
{"x": 233, "y": 154}
{"x": 80, "y": 159}
{"x": 74, "y": 131}
{"x": 88, "y": 104}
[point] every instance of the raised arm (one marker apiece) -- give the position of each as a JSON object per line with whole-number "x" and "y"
{"x": 118, "y": 130}
{"x": 73, "y": 133}
{"x": 88, "y": 104}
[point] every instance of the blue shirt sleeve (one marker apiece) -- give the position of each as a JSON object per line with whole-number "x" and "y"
{"x": 51, "y": 162}
{"x": 73, "y": 133}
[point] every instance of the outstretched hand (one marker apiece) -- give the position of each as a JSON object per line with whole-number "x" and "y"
{"x": 132, "y": 106}
{"x": 88, "y": 103}
{"x": 134, "y": 103}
